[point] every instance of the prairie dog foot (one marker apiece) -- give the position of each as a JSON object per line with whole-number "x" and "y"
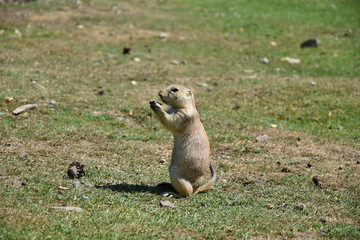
{"x": 170, "y": 194}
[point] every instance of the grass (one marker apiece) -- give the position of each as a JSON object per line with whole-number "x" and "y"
{"x": 69, "y": 52}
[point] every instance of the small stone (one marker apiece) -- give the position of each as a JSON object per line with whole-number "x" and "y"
{"x": 203, "y": 84}
{"x": 273, "y": 125}
{"x": 300, "y": 206}
{"x": 264, "y": 60}
{"x": 224, "y": 180}
{"x": 339, "y": 127}
{"x": 126, "y": 50}
{"x": 316, "y": 180}
{"x": 166, "y": 203}
{"x": 100, "y": 93}
{"x": 2, "y": 114}
{"x": 134, "y": 83}
{"x": 313, "y": 83}
{"x": 84, "y": 197}
{"x": 69, "y": 209}
{"x": 163, "y": 35}
{"x": 348, "y": 33}
{"x": 52, "y": 102}
{"x": 291, "y": 60}
{"x": 81, "y": 184}
{"x": 174, "y": 62}
{"x": 285, "y": 170}
{"x": 309, "y": 165}
{"x": 262, "y": 138}
{"x": 310, "y": 43}
{"x": 23, "y": 184}
{"x": 340, "y": 168}
{"x": 62, "y": 188}
{"x": 76, "y": 170}
{"x": 298, "y": 139}
{"x": 274, "y": 44}
{"x": 237, "y": 106}
{"x": 137, "y": 59}
{"x": 7, "y": 144}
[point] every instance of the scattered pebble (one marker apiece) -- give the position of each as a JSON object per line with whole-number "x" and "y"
{"x": 84, "y": 197}
{"x": 134, "y": 83}
{"x": 23, "y": 184}
{"x": 174, "y": 62}
{"x": 126, "y": 50}
{"x": 224, "y": 180}
{"x": 273, "y": 125}
{"x": 278, "y": 162}
{"x": 310, "y": 43}
{"x": 23, "y": 108}
{"x": 277, "y": 70}
{"x": 166, "y": 203}
{"x": 262, "y": 138}
{"x": 237, "y": 106}
{"x": 69, "y": 209}
{"x": 62, "y": 188}
{"x": 264, "y": 60}
{"x": 80, "y": 26}
{"x": 291, "y": 60}
{"x": 316, "y": 180}
{"x": 339, "y": 127}
{"x": 7, "y": 144}
{"x": 203, "y": 84}
{"x": 274, "y": 44}
{"x": 313, "y": 83}
{"x": 100, "y": 93}
{"x": 52, "y": 102}
{"x": 76, "y": 170}
{"x": 340, "y": 168}
{"x": 348, "y": 33}
{"x": 285, "y": 170}
{"x": 300, "y": 206}
{"x": 164, "y": 35}
{"x": 309, "y": 165}
{"x": 81, "y": 184}
{"x": 2, "y": 114}
{"x": 137, "y": 60}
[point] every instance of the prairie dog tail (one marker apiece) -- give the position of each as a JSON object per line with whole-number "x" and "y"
{"x": 209, "y": 184}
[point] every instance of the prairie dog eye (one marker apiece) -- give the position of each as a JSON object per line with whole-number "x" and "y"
{"x": 174, "y": 90}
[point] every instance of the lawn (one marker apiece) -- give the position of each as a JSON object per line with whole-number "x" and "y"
{"x": 67, "y": 57}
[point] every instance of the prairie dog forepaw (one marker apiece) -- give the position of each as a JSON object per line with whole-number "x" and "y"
{"x": 154, "y": 104}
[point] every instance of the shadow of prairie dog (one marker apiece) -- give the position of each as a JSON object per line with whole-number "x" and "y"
{"x": 190, "y": 159}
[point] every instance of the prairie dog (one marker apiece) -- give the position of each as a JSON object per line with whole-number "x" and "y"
{"x": 190, "y": 158}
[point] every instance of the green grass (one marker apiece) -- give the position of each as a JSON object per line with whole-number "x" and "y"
{"x": 126, "y": 151}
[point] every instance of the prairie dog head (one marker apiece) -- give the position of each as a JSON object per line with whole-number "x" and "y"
{"x": 177, "y": 96}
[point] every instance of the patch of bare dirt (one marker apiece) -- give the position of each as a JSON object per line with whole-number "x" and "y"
{"x": 289, "y": 152}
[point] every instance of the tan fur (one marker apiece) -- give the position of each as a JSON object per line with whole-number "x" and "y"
{"x": 190, "y": 158}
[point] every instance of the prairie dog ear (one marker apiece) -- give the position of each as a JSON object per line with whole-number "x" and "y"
{"x": 190, "y": 92}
